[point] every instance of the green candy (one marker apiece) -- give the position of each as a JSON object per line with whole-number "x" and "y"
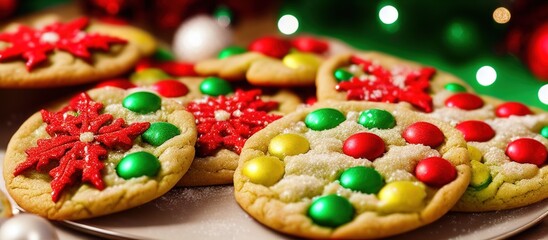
{"x": 377, "y": 118}
{"x": 138, "y": 164}
{"x": 231, "y": 51}
{"x": 454, "y": 87}
{"x": 342, "y": 75}
{"x": 142, "y": 102}
{"x": 159, "y": 132}
{"x": 544, "y": 131}
{"x": 214, "y": 86}
{"x": 324, "y": 118}
{"x": 363, "y": 179}
{"x": 163, "y": 54}
{"x": 224, "y": 15}
{"x": 331, "y": 211}
{"x": 148, "y": 76}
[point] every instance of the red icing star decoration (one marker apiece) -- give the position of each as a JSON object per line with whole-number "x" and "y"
{"x": 229, "y": 121}
{"x": 80, "y": 139}
{"x": 382, "y": 85}
{"x": 33, "y": 44}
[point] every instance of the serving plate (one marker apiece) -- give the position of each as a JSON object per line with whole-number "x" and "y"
{"x": 212, "y": 213}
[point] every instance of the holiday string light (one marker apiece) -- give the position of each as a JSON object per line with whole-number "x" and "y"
{"x": 288, "y": 24}
{"x": 543, "y": 94}
{"x": 486, "y": 75}
{"x": 502, "y": 15}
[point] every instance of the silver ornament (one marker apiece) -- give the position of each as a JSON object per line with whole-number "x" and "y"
{"x": 200, "y": 38}
{"x": 27, "y": 226}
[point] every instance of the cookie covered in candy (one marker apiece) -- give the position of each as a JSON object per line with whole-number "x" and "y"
{"x": 227, "y": 114}
{"x": 509, "y": 155}
{"x": 352, "y": 170}
{"x": 48, "y": 52}
{"x": 378, "y": 77}
{"x": 272, "y": 61}
{"x": 104, "y": 151}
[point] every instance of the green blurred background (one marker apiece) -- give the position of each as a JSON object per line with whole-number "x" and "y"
{"x": 459, "y": 37}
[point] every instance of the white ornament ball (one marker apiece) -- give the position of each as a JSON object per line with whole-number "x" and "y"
{"x": 200, "y": 38}
{"x": 26, "y": 226}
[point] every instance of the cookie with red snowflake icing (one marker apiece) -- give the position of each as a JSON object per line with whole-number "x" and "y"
{"x": 273, "y": 61}
{"x": 378, "y": 77}
{"x": 105, "y": 151}
{"x": 47, "y": 52}
{"x": 226, "y": 116}
{"x": 352, "y": 170}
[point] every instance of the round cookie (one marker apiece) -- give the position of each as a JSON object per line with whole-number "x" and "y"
{"x": 105, "y": 151}
{"x": 509, "y": 163}
{"x": 507, "y": 149}
{"x": 272, "y": 62}
{"x": 224, "y": 121}
{"x": 352, "y": 170}
{"x": 378, "y": 77}
{"x": 68, "y": 53}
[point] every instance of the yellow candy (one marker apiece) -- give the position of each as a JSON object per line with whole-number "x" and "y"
{"x": 402, "y": 196}
{"x": 296, "y": 60}
{"x": 475, "y": 154}
{"x": 287, "y": 145}
{"x": 265, "y": 170}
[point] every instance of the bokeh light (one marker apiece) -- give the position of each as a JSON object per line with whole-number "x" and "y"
{"x": 288, "y": 24}
{"x": 388, "y": 14}
{"x": 543, "y": 94}
{"x": 501, "y": 15}
{"x": 486, "y": 75}
{"x": 462, "y": 38}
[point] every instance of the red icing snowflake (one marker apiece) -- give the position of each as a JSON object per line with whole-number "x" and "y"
{"x": 33, "y": 44}
{"x": 382, "y": 85}
{"x": 229, "y": 121}
{"x": 80, "y": 138}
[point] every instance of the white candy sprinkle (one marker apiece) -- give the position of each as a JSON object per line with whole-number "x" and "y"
{"x": 222, "y": 115}
{"x": 87, "y": 137}
{"x": 237, "y": 113}
{"x": 49, "y": 37}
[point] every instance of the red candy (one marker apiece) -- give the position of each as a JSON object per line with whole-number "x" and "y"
{"x": 364, "y": 145}
{"x": 424, "y": 133}
{"x": 174, "y": 68}
{"x": 465, "y": 101}
{"x": 271, "y": 46}
{"x": 170, "y": 88}
{"x": 476, "y": 131}
{"x": 435, "y": 171}
{"x": 309, "y": 44}
{"x": 119, "y": 83}
{"x": 512, "y": 109}
{"x": 311, "y": 100}
{"x": 527, "y": 150}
